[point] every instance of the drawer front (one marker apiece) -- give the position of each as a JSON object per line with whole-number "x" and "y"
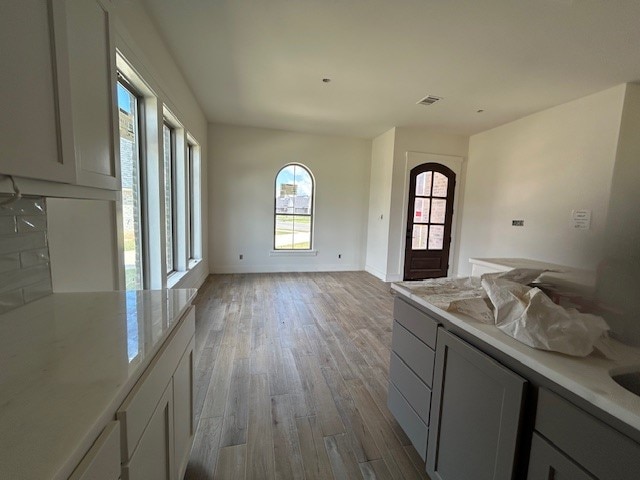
{"x": 411, "y": 387}
{"x": 547, "y": 462}
{"x": 409, "y": 420}
{"x": 138, "y": 407}
{"x": 415, "y": 354}
{"x": 417, "y": 322}
{"x": 102, "y": 461}
{"x": 601, "y": 450}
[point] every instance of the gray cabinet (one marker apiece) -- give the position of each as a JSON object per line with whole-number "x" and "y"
{"x": 411, "y": 372}
{"x": 590, "y": 443}
{"x": 475, "y": 414}
{"x": 549, "y": 463}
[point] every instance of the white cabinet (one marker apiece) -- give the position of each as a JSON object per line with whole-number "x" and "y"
{"x": 58, "y": 119}
{"x": 92, "y": 75}
{"x": 157, "y": 416}
{"x": 153, "y": 458}
{"x": 183, "y": 417}
{"x": 35, "y": 118}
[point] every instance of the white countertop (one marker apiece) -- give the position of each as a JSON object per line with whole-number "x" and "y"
{"x": 66, "y": 363}
{"x": 587, "y": 377}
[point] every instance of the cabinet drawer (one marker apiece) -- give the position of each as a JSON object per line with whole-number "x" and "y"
{"x": 409, "y": 420}
{"x": 102, "y": 461}
{"x": 138, "y": 407}
{"x": 601, "y": 450}
{"x": 547, "y": 462}
{"x": 411, "y": 387}
{"x": 417, "y": 322}
{"x": 415, "y": 354}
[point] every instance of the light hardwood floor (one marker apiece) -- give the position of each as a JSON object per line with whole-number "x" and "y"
{"x": 291, "y": 380}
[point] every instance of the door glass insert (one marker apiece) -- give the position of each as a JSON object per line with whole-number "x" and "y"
{"x": 440, "y": 185}
{"x": 420, "y": 235}
{"x": 436, "y": 237}
{"x": 438, "y": 210}
{"x": 421, "y": 210}
{"x": 423, "y": 184}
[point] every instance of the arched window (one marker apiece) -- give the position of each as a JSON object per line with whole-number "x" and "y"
{"x": 293, "y": 211}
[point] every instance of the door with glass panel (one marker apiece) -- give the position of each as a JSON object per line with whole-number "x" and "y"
{"x": 431, "y": 192}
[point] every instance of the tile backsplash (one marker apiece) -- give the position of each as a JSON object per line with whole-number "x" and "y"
{"x": 25, "y": 273}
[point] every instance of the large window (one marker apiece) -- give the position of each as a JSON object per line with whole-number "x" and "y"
{"x": 168, "y": 137}
{"x": 293, "y": 217}
{"x": 131, "y": 172}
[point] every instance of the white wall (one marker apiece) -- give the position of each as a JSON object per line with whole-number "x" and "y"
{"x": 619, "y": 274}
{"x": 380, "y": 203}
{"x": 539, "y": 169}
{"x": 413, "y": 140}
{"x": 243, "y": 163}
{"x": 82, "y": 245}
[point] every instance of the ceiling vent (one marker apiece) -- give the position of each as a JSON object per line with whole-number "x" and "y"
{"x": 428, "y": 100}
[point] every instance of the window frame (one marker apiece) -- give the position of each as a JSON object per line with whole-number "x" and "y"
{"x": 126, "y": 83}
{"x": 172, "y": 197}
{"x": 190, "y": 204}
{"x": 311, "y": 215}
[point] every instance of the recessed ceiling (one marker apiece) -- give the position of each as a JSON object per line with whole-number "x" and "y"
{"x": 261, "y": 62}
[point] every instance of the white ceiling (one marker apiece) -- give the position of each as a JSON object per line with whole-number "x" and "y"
{"x": 261, "y": 62}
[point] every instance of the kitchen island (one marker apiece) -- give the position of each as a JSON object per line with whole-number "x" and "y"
{"x": 526, "y": 401}
{"x": 69, "y": 361}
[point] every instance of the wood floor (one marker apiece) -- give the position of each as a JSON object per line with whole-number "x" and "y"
{"x": 291, "y": 380}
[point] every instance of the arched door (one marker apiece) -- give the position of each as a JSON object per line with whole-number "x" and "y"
{"x": 431, "y": 193}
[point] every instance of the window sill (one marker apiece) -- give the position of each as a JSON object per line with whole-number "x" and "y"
{"x": 293, "y": 253}
{"x": 175, "y": 277}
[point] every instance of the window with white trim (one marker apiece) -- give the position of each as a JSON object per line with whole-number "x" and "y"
{"x": 293, "y": 208}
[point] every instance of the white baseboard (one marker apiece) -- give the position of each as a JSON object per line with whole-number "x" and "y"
{"x": 217, "y": 269}
{"x": 382, "y": 275}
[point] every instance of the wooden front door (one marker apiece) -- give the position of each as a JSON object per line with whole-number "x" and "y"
{"x": 431, "y": 189}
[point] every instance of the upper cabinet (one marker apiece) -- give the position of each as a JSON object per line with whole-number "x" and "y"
{"x": 35, "y": 119}
{"x": 59, "y": 117}
{"x": 92, "y": 74}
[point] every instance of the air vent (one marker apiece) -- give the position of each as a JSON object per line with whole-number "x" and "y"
{"x": 428, "y": 100}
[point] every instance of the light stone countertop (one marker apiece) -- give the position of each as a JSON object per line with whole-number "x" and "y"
{"x": 587, "y": 377}
{"x": 67, "y": 361}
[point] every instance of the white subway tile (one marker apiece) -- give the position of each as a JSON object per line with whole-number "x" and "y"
{"x": 39, "y": 290}
{"x": 7, "y": 225}
{"x": 31, "y": 223}
{"x": 9, "y": 262}
{"x": 22, "y": 241}
{"x": 30, "y": 258}
{"x": 24, "y": 277}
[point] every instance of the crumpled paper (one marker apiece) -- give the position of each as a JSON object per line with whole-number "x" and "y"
{"x": 528, "y": 315}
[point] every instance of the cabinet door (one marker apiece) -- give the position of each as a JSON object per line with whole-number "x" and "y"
{"x": 92, "y": 73}
{"x": 183, "y": 414}
{"x": 475, "y": 414}
{"x": 548, "y": 463}
{"x": 35, "y": 121}
{"x": 153, "y": 457}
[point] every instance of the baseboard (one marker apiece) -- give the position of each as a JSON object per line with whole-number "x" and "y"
{"x": 218, "y": 269}
{"x": 382, "y": 275}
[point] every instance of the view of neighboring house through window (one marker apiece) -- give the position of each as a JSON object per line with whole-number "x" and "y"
{"x": 169, "y": 193}
{"x": 131, "y": 173}
{"x": 293, "y": 217}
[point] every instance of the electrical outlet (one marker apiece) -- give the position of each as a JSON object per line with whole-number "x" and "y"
{"x": 517, "y": 223}
{"x": 241, "y": 256}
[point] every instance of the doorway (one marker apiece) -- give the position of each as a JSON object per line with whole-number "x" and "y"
{"x": 429, "y": 221}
